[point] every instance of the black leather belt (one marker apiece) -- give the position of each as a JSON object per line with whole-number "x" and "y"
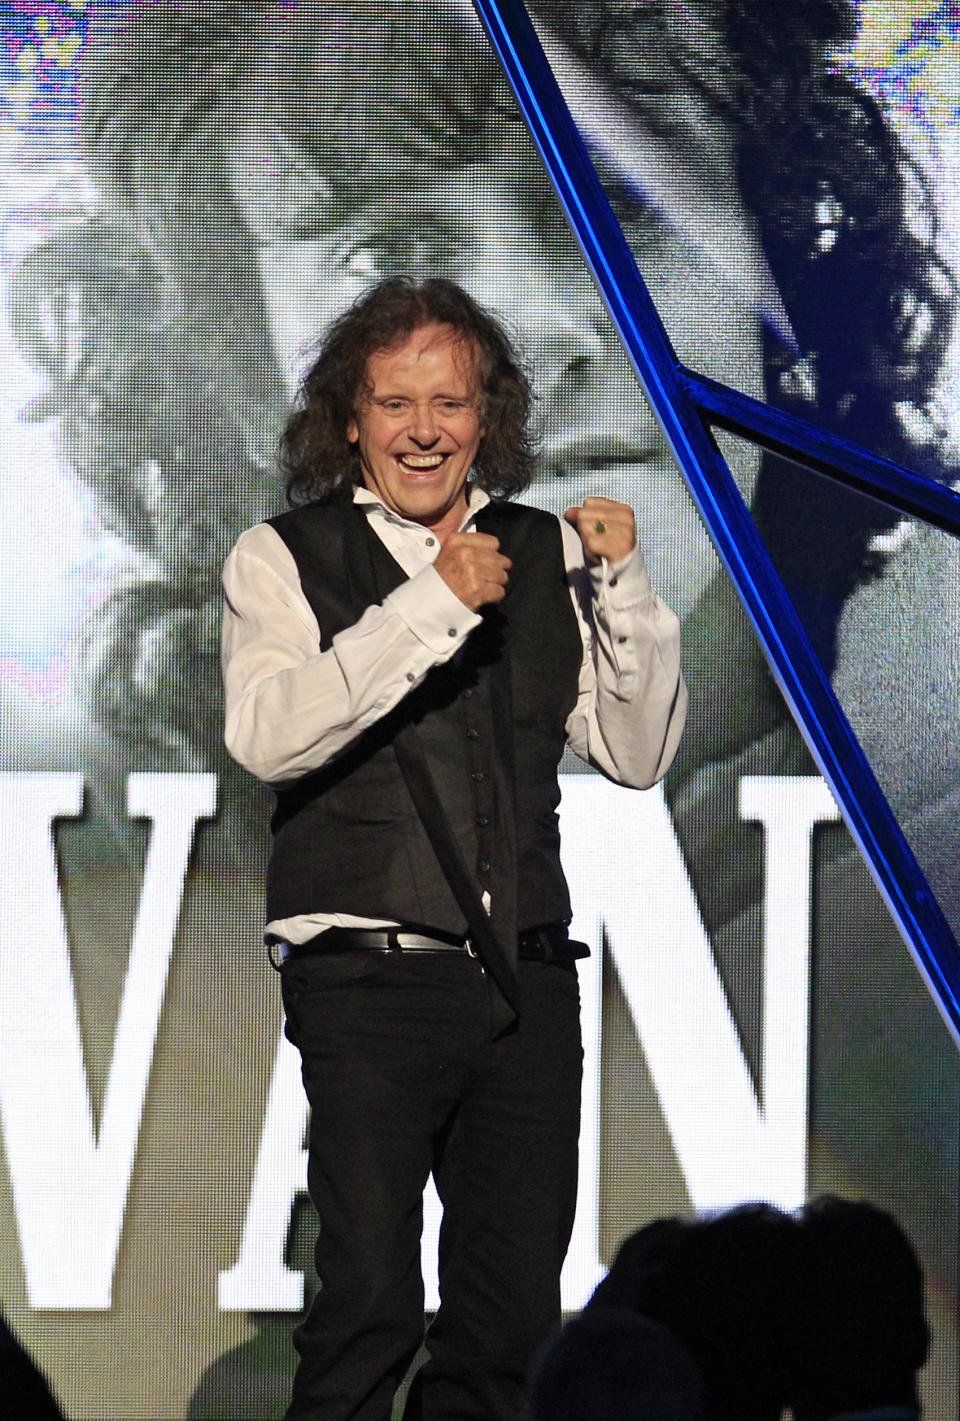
{"x": 549, "y": 943}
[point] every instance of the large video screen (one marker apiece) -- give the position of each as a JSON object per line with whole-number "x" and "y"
{"x": 190, "y": 193}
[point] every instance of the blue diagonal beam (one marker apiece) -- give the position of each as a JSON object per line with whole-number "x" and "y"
{"x": 791, "y": 657}
{"x": 812, "y": 447}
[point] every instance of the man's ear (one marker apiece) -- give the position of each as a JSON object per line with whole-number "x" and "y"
{"x": 353, "y": 432}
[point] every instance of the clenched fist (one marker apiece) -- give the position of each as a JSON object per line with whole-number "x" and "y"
{"x": 606, "y": 528}
{"x": 473, "y": 567}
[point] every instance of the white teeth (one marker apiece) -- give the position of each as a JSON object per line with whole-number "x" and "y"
{"x": 422, "y": 461}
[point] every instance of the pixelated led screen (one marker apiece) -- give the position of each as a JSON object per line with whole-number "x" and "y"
{"x": 189, "y": 193}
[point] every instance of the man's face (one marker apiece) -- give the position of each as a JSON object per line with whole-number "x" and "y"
{"x": 495, "y": 228}
{"x": 418, "y": 426}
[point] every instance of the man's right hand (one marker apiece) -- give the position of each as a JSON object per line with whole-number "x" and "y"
{"x": 474, "y": 569}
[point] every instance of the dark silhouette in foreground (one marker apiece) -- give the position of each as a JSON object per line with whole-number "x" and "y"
{"x": 734, "y": 1316}
{"x": 861, "y": 1332}
{"x": 24, "y": 1392}
{"x": 616, "y": 1365}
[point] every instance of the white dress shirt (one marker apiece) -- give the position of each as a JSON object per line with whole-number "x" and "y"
{"x": 290, "y": 707}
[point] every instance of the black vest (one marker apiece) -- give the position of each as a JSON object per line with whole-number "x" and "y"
{"x": 491, "y": 725}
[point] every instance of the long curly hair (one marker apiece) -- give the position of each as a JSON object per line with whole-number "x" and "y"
{"x": 849, "y": 226}
{"x": 318, "y": 462}
{"x": 150, "y": 324}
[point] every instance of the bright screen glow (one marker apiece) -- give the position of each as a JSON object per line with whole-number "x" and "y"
{"x": 190, "y": 192}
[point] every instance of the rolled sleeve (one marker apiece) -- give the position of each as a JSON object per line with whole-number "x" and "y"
{"x": 632, "y": 699}
{"x": 622, "y": 598}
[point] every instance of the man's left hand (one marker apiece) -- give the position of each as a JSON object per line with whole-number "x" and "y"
{"x": 606, "y": 528}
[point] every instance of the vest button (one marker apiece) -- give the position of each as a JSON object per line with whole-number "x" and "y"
{"x": 483, "y": 820}
{"x": 484, "y": 865}
{"x": 468, "y": 693}
{"x": 473, "y": 734}
{"x": 477, "y": 776}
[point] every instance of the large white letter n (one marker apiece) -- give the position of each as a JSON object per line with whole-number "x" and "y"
{"x": 69, "y": 1182}
{"x": 732, "y": 1143}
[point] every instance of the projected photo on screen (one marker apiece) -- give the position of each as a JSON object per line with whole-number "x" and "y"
{"x": 191, "y": 193}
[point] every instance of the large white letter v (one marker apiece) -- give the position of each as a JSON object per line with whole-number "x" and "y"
{"x": 69, "y": 1182}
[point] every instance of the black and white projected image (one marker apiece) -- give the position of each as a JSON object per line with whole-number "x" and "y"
{"x": 190, "y": 193}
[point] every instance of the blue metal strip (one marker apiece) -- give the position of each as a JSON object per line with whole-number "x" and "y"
{"x": 814, "y": 448}
{"x": 792, "y": 659}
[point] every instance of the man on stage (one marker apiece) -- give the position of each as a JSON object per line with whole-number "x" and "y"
{"x": 405, "y": 657}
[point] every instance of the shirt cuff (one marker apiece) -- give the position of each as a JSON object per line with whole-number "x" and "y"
{"x": 621, "y": 586}
{"x": 434, "y": 613}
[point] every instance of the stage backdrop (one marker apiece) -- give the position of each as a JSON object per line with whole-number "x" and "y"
{"x": 189, "y": 193}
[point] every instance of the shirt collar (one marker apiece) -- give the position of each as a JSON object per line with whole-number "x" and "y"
{"x": 372, "y": 505}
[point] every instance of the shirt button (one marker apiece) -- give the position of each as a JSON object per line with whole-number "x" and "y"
{"x": 451, "y": 631}
{"x": 483, "y": 820}
{"x": 613, "y": 582}
{"x": 473, "y": 734}
{"x": 477, "y": 776}
{"x": 621, "y": 639}
{"x": 410, "y": 677}
{"x": 431, "y": 542}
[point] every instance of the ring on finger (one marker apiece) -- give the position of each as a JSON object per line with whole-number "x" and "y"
{"x": 600, "y": 526}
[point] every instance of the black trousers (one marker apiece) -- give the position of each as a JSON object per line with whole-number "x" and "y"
{"x": 406, "y": 1073}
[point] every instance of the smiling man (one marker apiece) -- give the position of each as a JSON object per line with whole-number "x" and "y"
{"x": 405, "y": 657}
{"x": 418, "y": 427}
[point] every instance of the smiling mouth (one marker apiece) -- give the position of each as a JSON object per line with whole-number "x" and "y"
{"x": 421, "y": 463}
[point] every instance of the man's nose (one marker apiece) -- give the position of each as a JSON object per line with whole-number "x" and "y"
{"x": 564, "y": 330}
{"x": 578, "y": 360}
{"x": 423, "y": 425}
{"x": 569, "y": 339}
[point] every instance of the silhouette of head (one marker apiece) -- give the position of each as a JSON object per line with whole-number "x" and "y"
{"x": 615, "y": 1365}
{"x": 721, "y": 1285}
{"x": 862, "y": 1333}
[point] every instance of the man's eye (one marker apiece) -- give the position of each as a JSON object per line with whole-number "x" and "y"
{"x": 428, "y": 249}
{"x": 365, "y": 261}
